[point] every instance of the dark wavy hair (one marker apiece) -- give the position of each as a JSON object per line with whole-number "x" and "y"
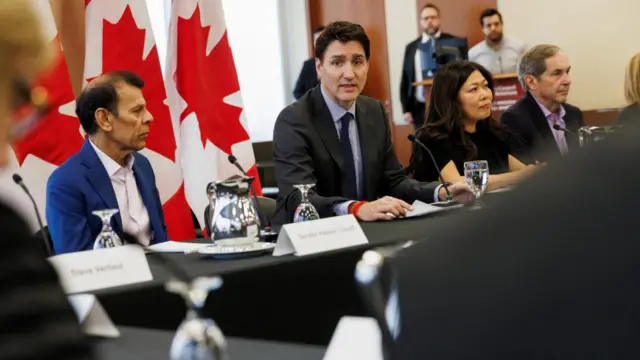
{"x": 445, "y": 116}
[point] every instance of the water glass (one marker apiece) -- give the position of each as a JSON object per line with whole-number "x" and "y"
{"x": 107, "y": 238}
{"x": 476, "y": 175}
{"x": 305, "y": 211}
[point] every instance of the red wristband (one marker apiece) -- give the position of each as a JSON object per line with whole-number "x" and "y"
{"x": 353, "y": 208}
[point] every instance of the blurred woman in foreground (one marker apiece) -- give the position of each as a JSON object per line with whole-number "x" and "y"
{"x": 36, "y": 319}
{"x": 631, "y": 92}
{"x": 459, "y": 128}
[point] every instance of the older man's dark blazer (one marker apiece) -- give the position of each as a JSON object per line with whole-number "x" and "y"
{"x": 306, "y": 149}
{"x": 532, "y": 139}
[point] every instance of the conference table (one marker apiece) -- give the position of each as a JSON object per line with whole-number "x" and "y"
{"x": 150, "y": 344}
{"x": 288, "y": 299}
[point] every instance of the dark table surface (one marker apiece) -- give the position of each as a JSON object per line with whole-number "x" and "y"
{"x": 149, "y": 344}
{"x": 288, "y": 299}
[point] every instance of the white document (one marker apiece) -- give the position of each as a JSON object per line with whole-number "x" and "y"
{"x": 421, "y": 208}
{"x": 355, "y": 338}
{"x": 177, "y": 247}
{"x": 92, "y": 317}
{"x": 500, "y": 190}
{"x": 87, "y": 271}
{"x": 315, "y": 236}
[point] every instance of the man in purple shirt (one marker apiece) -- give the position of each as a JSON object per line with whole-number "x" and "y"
{"x": 542, "y": 124}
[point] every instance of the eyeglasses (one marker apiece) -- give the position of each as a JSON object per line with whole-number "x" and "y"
{"x": 29, "y": 107}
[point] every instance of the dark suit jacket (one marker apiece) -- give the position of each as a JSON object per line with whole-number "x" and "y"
{"x": 407, "y": 90}
{"x": 548, "y": 270}
{"x": 532, "y": 139}
{"x": 306, "y": 149}
{"x": 82, "y": 185}
{"x": 307, "y": 80}
{"x": 629, "y": 115}
{"x": 37, "y": 320}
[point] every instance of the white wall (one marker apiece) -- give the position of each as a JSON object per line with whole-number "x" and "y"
{"x": 295, "y": 42}
{"x": 401, "y": 18}
{"x": 599, "y": 38}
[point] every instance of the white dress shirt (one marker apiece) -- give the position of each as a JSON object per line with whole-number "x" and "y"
{"x": 418, "y": 66}
{"x": 134, "y": 215}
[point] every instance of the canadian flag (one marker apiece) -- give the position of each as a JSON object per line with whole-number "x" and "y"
{"x": 204, "y": 97}
{"x": 119, "y": 36}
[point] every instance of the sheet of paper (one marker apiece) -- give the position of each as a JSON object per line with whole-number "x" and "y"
{"x": 355, "y": 338}
{"x": 421, "y": 208}
{"x": 496, "y": 191}
{"x": 177, "y": 247}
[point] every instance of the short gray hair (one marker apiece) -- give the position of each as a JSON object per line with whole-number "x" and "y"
{"x": 533, "y": 61}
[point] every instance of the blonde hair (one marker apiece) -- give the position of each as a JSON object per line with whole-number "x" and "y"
{"x": 632, "y": 80}
{"x": 23, "y": 48}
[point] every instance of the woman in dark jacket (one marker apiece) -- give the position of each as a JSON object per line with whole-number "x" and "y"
{"x": 36, "y": 319}
{"x": 459, "y": 128}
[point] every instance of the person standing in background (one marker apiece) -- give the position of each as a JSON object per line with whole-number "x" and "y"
{"x": 497, "y": 53}
{"x": 308, "y": 78}
{"x": 413, "y": 97}
{"x": 37, "y": 320}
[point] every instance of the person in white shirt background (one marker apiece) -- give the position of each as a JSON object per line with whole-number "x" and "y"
{"x": 497, "y": 53}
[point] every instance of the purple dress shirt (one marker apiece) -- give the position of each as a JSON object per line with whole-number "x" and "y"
{"x": 553, "y": 119}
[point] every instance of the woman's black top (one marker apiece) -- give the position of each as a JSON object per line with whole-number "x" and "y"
{"x": 490, "y": 148}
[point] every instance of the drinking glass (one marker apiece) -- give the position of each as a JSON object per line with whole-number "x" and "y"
{"x": 305, "y": 211}
{"x": 197, "y": 337}
{"x": 476, "y": 175}
{"x": 107, "y": 238}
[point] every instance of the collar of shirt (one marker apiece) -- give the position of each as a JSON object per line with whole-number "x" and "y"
{"x": 337, "y": 111}
{"x": 427, "y": 38}
{"x": 557, "y": 116}
{"x": 109, "y": 164}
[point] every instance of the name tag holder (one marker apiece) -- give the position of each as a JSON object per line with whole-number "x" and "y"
{"x": 87, "y": 271}
{"x": 316, "y": 236}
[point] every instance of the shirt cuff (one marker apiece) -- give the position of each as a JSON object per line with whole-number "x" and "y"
{"x": 342, "y": 208}
{"x": 436, "y": 194}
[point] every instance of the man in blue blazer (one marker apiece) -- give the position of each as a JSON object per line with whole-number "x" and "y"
{"x": 108, "y": 172}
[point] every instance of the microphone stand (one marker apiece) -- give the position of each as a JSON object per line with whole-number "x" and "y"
{"x": 415, "y": 140}
{"x": 45, "y": 237}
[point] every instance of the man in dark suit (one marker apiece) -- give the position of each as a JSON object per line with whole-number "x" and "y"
{"x": 308, "y": 78}
{"x": 107, "y": 173}
{"x": 413, "y": 97}
{"x": 341, "y": 141}
{"x": 550, "y": 272}
{"x": 544, "y": 73}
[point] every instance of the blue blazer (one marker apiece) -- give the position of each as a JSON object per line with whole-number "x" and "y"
{"x": 82, "y": 185}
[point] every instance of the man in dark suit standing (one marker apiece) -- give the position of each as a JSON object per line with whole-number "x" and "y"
{"x": 308, "y": 78}
{"x": 420, "y": 63}
{"x": 341, "y": 141}
{"x": 543, "y": 71}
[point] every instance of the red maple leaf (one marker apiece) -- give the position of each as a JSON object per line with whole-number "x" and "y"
{"x": 204, "y": 81}
{"x": 57, "y": 136}
{"x": 123, "y": 46}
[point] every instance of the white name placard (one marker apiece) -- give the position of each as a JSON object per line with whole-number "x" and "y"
{"x": 321, "y": 235}
{"x": 86, "y": 271}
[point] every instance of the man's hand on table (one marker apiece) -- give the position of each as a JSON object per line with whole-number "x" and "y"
{"x": 460, "y": 192}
